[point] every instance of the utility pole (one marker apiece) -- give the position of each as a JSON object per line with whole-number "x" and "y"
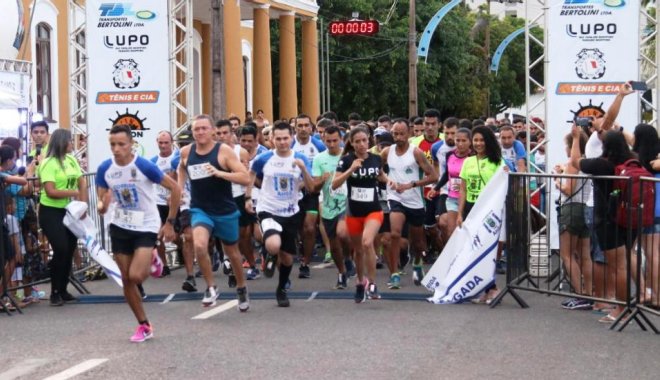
{"x": 487, "y": 59}
{"x": 219, "y": 103}
{"x": 412, "y": 61}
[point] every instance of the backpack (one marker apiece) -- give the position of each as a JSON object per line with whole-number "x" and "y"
{"x": 641, "y": 200}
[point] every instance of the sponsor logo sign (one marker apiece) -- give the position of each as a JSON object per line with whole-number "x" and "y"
{"x": 128, "y": 72}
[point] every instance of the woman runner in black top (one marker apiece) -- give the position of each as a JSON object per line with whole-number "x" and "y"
{"x": 361, "y": 170}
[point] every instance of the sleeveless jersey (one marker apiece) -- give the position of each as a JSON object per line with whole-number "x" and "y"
{"x": 404, "y": 169}
{"x": 211, "y": 194}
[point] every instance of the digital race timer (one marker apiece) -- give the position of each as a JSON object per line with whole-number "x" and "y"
{"x": 353, "y": 27}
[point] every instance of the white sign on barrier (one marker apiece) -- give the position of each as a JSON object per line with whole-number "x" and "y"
{"x": 128, "y": 63}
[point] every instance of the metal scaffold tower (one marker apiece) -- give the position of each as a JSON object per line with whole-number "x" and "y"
{"x": 181, "y": 68}
{"x": 78, "y": 77}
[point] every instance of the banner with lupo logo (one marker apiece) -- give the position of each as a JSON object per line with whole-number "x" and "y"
{"x": 129, "y": 73}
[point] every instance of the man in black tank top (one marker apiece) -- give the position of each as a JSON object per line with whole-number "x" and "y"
{"x": 212, "y": 167}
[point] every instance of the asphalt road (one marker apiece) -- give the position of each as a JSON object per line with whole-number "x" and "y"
{"x": 320, "y": 338}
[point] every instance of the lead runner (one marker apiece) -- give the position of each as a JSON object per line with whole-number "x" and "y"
{"x": 128, "y": 180}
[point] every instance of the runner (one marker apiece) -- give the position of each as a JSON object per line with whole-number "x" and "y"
{"x": 183, "y": 226}
{"x": 164, "y": 162}
{"x": 212, "y": 168}
{"x": 430, "y": 137}
{"x": 439, "y": 152}
{"x": 406, "y": 162}
{"x": 309, "y": 146}
{"x": 248, "y": 140}
{"x": 361, "y": 170}
{"x": 280, "y": 173}
{"x": 127, "y": 180}
{"x": 451, "y": 180}
{"x": 334, "y": 201}
{"x": 224, "y": 132}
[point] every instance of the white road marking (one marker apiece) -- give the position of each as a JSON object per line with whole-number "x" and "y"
{"x": 77, "y": 369}
{"x": 323, "y": 265}
{"x": 217, "y": 310}
{"x": 311, "y": 298}
{"x": 168, "y": 299}
{"x": 23, "y": 368}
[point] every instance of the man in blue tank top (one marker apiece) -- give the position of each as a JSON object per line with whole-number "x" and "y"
{"x": 212, "y": 167}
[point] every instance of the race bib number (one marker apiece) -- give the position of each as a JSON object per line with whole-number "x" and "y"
{"x": 455, "y": 184}
{"x": 341, "y": 191}
{"x": 198, "y": 171}
{"x": 133, "y": 218}
{"x": 270, "y": 224}
{"x": 360, "y": 194}
{"x": 162, "y": 193}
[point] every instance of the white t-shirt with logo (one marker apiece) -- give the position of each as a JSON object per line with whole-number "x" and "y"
{"x": 132, "y": 193}
{"x": 165, "y": 165}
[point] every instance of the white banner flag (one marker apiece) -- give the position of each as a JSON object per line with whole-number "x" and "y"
{"x": 129, "y": 73}
{"x": 467, "y": 263}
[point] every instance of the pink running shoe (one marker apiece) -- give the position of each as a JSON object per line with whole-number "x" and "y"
{"x": 156, "y": 264}
{"x": 142, "y": 333}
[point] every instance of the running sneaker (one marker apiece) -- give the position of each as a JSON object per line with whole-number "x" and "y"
{"x": 38, "y": 294}
{"x": 304, "y": 271}
{"x": 156, "y": 264}
{"x": 328, "y": 258}
{"x": 226, "y": 266}
{"x": 395, "y": 281}
{"x": 231, "y": 280}
{"x": 418, "y": 274}
{"x": 372, "y": 292}
{"x": 69, "y": 298}
{"x": 404, "y": 258}
{"x": 350, "y": 268}
{"x": 271, "y": 263}
{"x": 189, "y": 285}
{"x": 142, "y": 333}
{"x": 567, "y": 301}
{"x": 253, "y": 274}
{"x": 166, "y": 271}
{"x": 342, "y": 282}
{"x": 210, "y": 295}
{"x": 243, "y": 299}
{"x": 282, "y": 298}
{"x": 360, "y": 294}
{"x": 578, "y": 304}
{"x": 215, "y": 260}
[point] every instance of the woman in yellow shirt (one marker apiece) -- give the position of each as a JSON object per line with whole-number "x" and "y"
{"x": 61, "y": 181}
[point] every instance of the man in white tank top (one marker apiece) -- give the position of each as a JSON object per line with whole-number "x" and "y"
{"x": 225, "y": 134}
{"x": 406, "y": 165}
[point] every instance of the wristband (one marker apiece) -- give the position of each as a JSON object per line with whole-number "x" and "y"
{"x": 414, "y": 183}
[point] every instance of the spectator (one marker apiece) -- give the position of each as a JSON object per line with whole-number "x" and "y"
{"x": 647, "y": 147}
{"x": 61, "y": 181}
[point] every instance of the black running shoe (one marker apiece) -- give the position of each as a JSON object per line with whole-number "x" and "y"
{"x": 304, "y": 271}
{"x": 166, "y": 271}
{"x": 231, "y": 281}
{"x": 69, "y": 298}
{"x": 271, "y": 264}
{"x": 56, "y": 300}
{"x": 282, "y": 298}
{"x": 360, "y": 294}
{"x": 226, "y": 266}
{"x": 189, "y": 284}
{"x": 243, "y": 299}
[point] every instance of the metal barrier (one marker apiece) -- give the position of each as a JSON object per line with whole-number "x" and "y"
{"x": 43, "y": 252}
{"x": 564, "y": 256}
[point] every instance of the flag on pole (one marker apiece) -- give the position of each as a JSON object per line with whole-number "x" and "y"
{"x": 467, "y": 263}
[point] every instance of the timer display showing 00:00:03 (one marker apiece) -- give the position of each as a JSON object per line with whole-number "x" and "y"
{"x": 343, "y": 28}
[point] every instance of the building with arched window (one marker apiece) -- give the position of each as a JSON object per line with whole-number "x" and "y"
{"x": 246, "y": 46}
